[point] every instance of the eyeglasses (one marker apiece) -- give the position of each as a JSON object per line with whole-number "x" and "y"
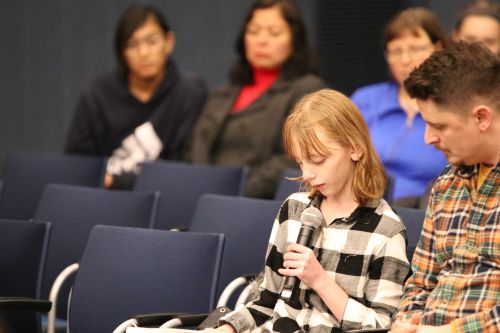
{"x": 413, "y": 52}
{"x": 151, "y": 41}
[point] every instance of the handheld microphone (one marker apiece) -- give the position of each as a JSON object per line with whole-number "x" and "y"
{"x": 311, "y": 219}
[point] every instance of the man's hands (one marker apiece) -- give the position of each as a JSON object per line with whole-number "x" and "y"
{"x": 406, "y": 325}
{"x": 412, "y": 325}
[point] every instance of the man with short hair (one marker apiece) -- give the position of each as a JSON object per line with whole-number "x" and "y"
{"x": 455, "y": 285}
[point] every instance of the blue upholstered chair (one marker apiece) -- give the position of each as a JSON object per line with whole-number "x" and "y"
{"x": 23, "y": 249}
{"x": 246, "y": 224}
{"x": 27, "y": 173}
{"x": 126, "y": 271}
{"x": 181, "y": 184}
{"x": 73, "y": 211}
{"x": 413, "y": 220}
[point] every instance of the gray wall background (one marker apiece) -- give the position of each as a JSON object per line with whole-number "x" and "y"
{"x": 51, "y": 49}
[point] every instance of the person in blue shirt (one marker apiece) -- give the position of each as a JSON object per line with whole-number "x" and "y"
{"x": 396, "y": 127}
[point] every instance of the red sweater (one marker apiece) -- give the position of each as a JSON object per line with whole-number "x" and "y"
{"x": 263, "y": 79}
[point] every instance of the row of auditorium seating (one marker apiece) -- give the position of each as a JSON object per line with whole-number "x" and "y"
{"x": 125, "y": 275}
{"x": 27, "y": 173}
{"x": 123, "y": 271}
{"x": 73, "y": 210}
{"x": 236, "y": 217}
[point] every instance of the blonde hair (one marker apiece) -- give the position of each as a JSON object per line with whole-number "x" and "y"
{"x": 338, "y": 117}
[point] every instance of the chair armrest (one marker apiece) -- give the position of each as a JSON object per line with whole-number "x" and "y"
{"x": 54, "y": 293}
{"x": 185, "y": 321}
{"x": 145, "y": 320}
{"x": 230, "y": 289}
{"x": 155, "y": 319}
{"x": 25, "y": 303}
{"x": 233, "y": 286}
{"x": 244, "y": 295}
{"x": 172, "y": 320}
{"x": 199, "y": 321}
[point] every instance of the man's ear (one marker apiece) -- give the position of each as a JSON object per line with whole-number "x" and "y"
{"x": 483, "y": 116}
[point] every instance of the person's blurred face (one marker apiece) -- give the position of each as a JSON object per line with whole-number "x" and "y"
{"x": 407, "y": 52}
{"x": 268, "y": 39}
{"x": 476, "y": 28}
{"x": 147, "y": 50}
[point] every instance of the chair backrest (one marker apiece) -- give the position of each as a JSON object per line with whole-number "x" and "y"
{"x": 286, "y": 186}
{"x": 413, "y": 220}
{"x": 73, "y": 211}
{"x": 27, "y": 173}
{"x": 127, "y": 271}
{"x": 246, "y": 224}
{"x": 181, "y": 184}
{"x": 23, "y": 249}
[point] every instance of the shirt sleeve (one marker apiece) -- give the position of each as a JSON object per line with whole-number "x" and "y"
{"x": 424, "y": 267}
{"x": 383, "y": 289}
{"x": 486, "y": 321}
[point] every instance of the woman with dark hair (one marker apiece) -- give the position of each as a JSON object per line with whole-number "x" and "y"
{"x": 241, "y": 122}
{"x": 142, "y": 111}
{"x": 396, "y": 127}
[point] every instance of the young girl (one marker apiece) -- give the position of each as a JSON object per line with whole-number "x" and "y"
{"x": 352, "y": 276}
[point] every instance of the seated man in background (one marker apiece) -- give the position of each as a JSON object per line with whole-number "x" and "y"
{"x": 142, "y": 111}
{"x": 456, "y": 266}
{"x": 479, "y": 21}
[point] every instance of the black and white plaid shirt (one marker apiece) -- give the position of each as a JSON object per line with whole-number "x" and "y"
{"x": 365, "y": 254}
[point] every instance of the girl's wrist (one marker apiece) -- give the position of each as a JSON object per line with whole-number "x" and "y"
{"x": 322, "y": 283}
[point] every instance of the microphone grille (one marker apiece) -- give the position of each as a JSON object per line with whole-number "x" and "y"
{"x": 312, "y": 217}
